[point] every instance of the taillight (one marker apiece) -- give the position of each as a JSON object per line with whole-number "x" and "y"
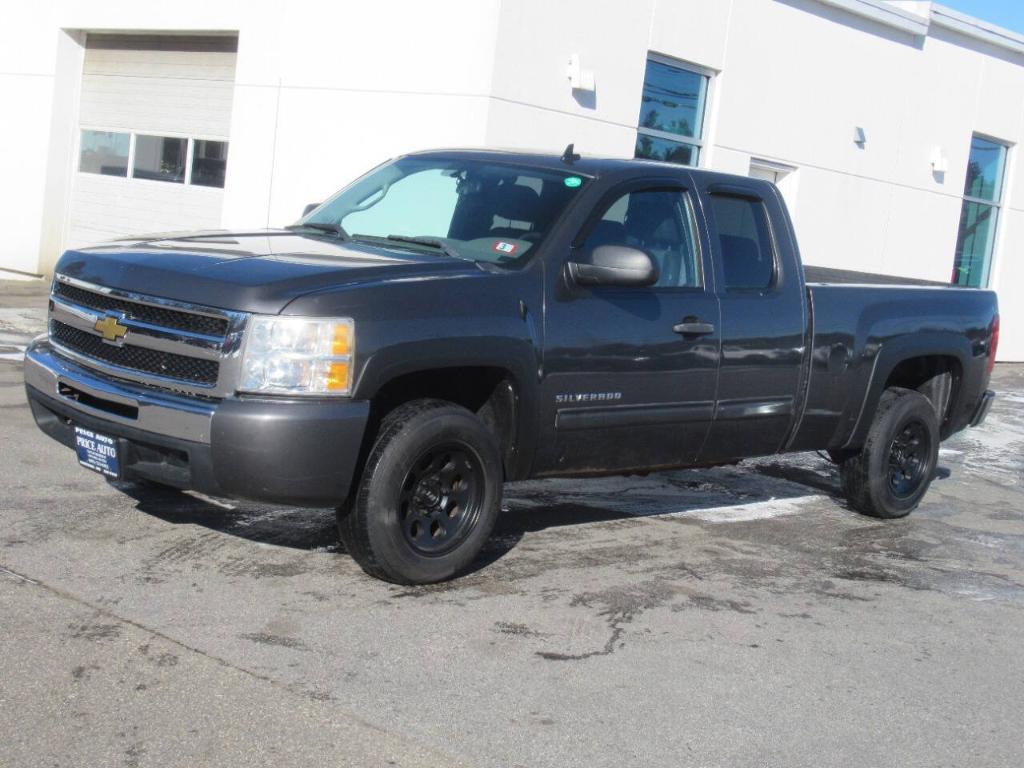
{"x": 993, "y": 344}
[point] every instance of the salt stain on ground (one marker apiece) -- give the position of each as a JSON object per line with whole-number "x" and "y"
{"x": 18, "y": 326}
{"x": 758, "y": 510}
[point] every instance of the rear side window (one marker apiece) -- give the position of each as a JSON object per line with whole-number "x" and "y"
{"x": 746, "y": 242}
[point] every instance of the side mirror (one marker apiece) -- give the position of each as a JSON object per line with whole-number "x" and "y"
{"x": 615, "y": 265}
{"x": 309, "y": 208}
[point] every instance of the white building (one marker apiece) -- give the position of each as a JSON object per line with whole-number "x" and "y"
{"x": 891, "y": 127}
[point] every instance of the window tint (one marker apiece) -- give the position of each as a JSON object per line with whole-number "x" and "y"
{"x": 745, "y": 241}
{"x": 657, "y": 221}
{"x": 160, "y": 158}
{"x": 104, "y": 152}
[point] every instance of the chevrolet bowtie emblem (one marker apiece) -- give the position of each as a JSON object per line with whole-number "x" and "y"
{"x": 111, "y": 329}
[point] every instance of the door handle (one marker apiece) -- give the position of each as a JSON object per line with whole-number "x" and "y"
{"x": 691, "y": 326}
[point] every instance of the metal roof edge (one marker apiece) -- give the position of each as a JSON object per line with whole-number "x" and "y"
{"x": 893, "y": 16}
{"x": 977, "y": 28}
{"x": 884, "y": 13}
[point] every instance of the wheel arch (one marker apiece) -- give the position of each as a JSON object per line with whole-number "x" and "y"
{"x": 493, "y": 379}
{"x": 933, "y": 363}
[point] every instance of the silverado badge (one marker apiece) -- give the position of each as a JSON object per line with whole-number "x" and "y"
{"x": 109, "y": 326}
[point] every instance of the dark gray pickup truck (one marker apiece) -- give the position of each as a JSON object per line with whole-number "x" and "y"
{"x": 456, "y": 319}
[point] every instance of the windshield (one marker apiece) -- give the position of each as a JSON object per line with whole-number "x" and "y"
{"x": 473, "y": 210}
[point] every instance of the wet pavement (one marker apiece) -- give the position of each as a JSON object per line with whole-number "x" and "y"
{"x": 740, "y": 616}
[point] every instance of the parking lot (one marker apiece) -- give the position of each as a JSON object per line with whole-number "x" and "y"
{"x": 740, "y": 616}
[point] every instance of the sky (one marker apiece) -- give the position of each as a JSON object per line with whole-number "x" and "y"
{"x": 1005, "y": 13}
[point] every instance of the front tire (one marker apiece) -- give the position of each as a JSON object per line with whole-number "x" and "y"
{"x": 894, "y": 469}
{"x": 428, "y": 497}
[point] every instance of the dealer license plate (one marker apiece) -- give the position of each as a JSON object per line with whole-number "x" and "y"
{"x": 97, "y": 452}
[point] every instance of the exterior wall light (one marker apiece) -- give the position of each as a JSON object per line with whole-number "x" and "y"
{"x": 859, "y": 138}
{"x": 580, "y": 79}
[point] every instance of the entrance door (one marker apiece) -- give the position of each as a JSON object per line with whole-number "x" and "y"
{"x": 630, "y": 373}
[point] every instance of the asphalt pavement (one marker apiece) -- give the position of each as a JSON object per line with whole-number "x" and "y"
{"x": 740, "y": 616}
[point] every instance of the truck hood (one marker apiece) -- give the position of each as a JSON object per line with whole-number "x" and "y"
{"x": 247, "y": 271}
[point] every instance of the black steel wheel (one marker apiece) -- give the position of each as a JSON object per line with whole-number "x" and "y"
{"x": 908, "y": 459}
{"x": 890, "y": 475}
{"x": 441, "y": 498}
{"x": 428, "y": 496}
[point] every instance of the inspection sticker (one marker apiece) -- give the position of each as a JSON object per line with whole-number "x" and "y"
{"x": 500, "y": 246}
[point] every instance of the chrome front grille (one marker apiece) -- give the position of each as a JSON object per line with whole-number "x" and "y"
{"x": 170, "y": 318}
{"x": 155, "y": 341}
{"x": 165, "y": 364}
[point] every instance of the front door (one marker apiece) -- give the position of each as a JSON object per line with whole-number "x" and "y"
{"x": 630, "y": 373}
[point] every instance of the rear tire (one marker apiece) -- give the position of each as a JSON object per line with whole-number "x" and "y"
{"x": 892, "y": 472}
{"x": 428, "y": 497}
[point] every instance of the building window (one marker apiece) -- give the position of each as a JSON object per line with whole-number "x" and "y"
{"x": 209, "y": 163}
{"x": 160, "y": 158}
{"x": 672, "y": 113}
{"x": 104, "y": 152}
{"x": 195, "y": 162}
{"x": 980, "y": 213}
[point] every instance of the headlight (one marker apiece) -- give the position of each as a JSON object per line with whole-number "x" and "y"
{"x": 298, "y": 355}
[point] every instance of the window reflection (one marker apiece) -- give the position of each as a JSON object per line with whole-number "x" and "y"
{"x": 985, "y": 169}
{"x": 979, "y": 213}
{"x": 671, "y": 120}
{"x": 104, "y": 152}
{"x": 209, "y": 163}
{"x": 160, "y": 158}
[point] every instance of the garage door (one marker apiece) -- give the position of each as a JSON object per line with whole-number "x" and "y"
{"x": 154, "y": 119}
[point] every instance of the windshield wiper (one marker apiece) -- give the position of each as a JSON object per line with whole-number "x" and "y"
{"x": 430, "y": 242}
{"x": 322, "y": 226}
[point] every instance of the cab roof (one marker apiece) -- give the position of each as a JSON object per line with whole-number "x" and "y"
{"x": 585, "y": 165}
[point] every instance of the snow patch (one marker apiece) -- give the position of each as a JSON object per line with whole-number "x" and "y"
{"x": 756, "y": 510}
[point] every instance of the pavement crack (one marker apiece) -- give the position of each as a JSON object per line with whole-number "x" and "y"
{"x": 17, "y": 576}
{"x": 291, "y": 689}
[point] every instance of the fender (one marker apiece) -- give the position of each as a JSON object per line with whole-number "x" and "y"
{"x": 520, "y": 357}
{"x": 892, "y": 353}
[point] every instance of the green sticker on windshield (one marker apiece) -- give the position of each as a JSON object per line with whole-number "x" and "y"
{"x": 573, "y": 181}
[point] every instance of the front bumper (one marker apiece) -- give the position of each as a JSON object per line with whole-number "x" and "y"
{"x": 301, "y": 452}
{"x": 983, "y": 407}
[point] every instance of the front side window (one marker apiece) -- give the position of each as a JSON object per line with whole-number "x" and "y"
{"x": 979, "y": 213}
{"x": 657, "y": 221}
{"x": 104, "y": 152}
{"x": 160, "y": 158}
{"x": 672, "y": 109}
{"x": 475, "y": 210}
{"x": 745, "y": 242}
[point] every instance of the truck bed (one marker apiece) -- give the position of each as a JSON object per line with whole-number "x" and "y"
{"x": 861, "y": 330}
{"x": 832, "y": 276}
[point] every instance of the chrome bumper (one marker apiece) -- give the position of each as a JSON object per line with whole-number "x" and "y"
{"x": 122, "y": 402}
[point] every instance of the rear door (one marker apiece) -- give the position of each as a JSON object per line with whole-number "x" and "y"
{"x": 763, "y": 318}
{"x": 630, "y": 373}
